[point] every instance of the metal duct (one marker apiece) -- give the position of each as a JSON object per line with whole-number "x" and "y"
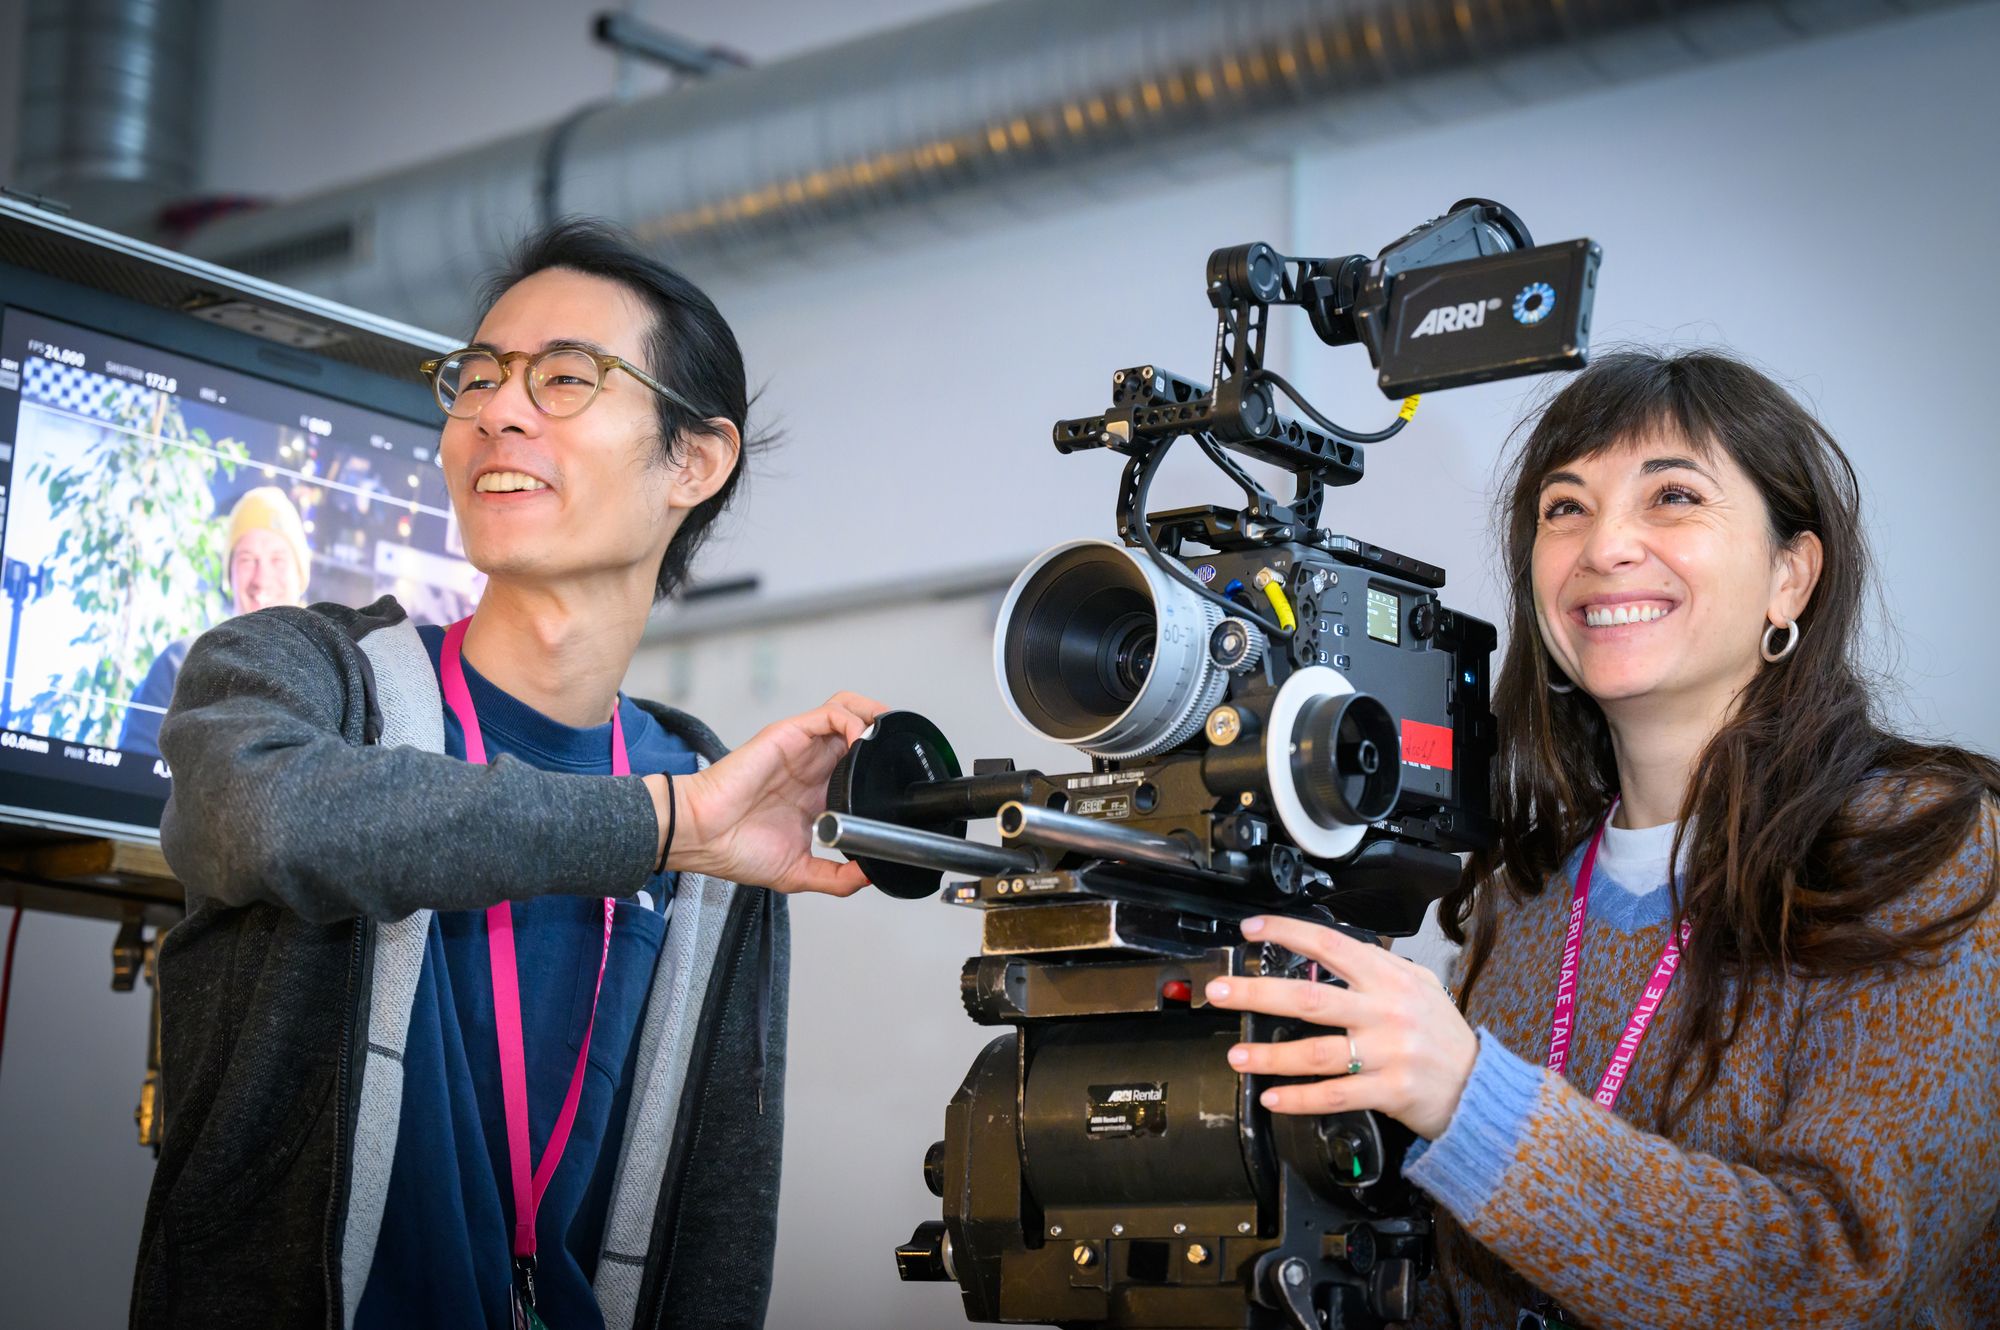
{"x": 111, "y": 104}
{"x": 1037, "y": 96}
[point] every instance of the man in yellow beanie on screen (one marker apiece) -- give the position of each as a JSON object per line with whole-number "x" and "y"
{"x": 269, "y": 563}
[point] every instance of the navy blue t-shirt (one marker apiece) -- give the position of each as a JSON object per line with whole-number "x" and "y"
{"x": 444, "y": 1257}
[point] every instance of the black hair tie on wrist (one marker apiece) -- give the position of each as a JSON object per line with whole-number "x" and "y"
{"x": 667, "y": 846}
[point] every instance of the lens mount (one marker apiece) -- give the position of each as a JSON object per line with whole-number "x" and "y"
{"x": 1098, "y": 648}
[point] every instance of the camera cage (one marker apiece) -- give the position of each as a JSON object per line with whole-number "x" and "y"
{"x": 1269, "y": 780}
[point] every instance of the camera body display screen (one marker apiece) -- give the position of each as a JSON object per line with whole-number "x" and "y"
{"x": 149, "y": 496}
{"x": 1385, "y": 616}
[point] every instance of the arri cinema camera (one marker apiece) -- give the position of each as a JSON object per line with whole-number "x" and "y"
{"x": 1279, "y": 719}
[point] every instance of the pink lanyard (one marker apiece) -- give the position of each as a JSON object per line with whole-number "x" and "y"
{"x": 1562, "y": 1022}
{"x": 529, "y": 1184}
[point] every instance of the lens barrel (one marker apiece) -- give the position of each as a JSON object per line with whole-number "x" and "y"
{"x": 1098, "y": 648}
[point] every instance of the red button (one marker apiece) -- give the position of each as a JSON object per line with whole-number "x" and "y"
{"x": 1177, "y": 990}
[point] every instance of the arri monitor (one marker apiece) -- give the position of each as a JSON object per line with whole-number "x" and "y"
{"x": 180, "y": 444}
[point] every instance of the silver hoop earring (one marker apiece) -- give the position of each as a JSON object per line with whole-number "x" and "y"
{"x": 1792, "y": 635}
{"x": 1559, "y": 684}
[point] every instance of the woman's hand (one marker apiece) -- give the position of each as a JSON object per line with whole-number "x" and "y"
{"x": 1416, "y": 1051}
{"x": 749, "y": 817}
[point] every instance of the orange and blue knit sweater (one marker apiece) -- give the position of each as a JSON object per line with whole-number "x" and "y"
{"x": 1843, "y": 1171}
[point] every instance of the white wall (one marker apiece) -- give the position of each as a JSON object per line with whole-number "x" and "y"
{"x": 72, "y": 1177}
{"x": 1820, "y": 208}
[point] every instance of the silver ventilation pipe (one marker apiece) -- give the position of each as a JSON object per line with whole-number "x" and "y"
{"x": 1033, "y": 98}
{"x": 112, "y": 93}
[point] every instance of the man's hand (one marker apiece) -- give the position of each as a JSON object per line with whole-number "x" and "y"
{"x": 749, "y": 817}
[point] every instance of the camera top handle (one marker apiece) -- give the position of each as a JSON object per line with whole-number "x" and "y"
{"x": 1351, "y": 299}
{"x": 1345, "y": 299}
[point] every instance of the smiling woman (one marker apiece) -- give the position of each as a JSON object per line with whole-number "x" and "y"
{"x": 1685, "y": 547}
{"x": 1690, "y": 778}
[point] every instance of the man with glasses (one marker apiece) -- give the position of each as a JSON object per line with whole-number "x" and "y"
{"x": 470, "y": 1022}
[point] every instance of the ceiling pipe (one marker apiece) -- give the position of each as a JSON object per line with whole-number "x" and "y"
{"x": 111, "y": 100}
{"x": 1033, "y": 100}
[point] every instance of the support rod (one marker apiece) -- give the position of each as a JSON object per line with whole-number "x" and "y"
{"x": 868, "y": 839}
{"x": 1026, "y": 824}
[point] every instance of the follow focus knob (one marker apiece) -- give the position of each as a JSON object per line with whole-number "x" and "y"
{"x": 1348, "y": 759}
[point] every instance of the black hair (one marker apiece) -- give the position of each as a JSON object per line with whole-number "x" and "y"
{"x": 690, "y": 348}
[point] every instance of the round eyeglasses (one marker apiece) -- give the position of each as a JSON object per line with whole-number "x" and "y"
{"x": 562, "y": 380}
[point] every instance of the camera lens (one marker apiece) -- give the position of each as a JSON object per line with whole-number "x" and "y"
{"x": 1098, "y": 648}
{"x": 1129, "y": 649}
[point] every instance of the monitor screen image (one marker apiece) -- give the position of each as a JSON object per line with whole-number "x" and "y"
{"x": 148, "y": 497}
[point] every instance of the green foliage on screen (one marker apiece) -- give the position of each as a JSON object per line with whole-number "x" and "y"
{"x": 140, "y": 553}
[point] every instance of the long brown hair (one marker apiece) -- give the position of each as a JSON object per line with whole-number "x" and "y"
{"x": 1790, "y": 866}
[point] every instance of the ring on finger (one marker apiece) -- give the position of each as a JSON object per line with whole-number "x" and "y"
{"x": 1353, "y": 1057}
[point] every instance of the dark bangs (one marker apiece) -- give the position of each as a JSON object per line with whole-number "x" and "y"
{"x": 1712, "y": 404}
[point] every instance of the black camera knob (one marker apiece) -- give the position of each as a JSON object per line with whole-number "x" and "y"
{"x": 1423, "y": 620}
{"x": 1349, "y": 1154}
{"x": 1235, "y": 645}
{"x": 934, "y": 1168}
{"x": 1257, "y": 411}
{"x": 1393, "y": 1292}
{"x": 1285, "y": 866}
{"x": 926, "y": 1256}
{"x": 1359, "y": 1248}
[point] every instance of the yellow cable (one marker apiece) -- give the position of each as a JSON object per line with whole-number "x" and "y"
{"x": 1409, "y": 407}
{"x": 1274, "y": 591}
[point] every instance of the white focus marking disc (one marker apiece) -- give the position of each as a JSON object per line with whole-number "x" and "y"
{"x": 1319, "y": 841}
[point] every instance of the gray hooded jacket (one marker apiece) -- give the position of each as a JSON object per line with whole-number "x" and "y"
{"x": 316, "y": 825}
